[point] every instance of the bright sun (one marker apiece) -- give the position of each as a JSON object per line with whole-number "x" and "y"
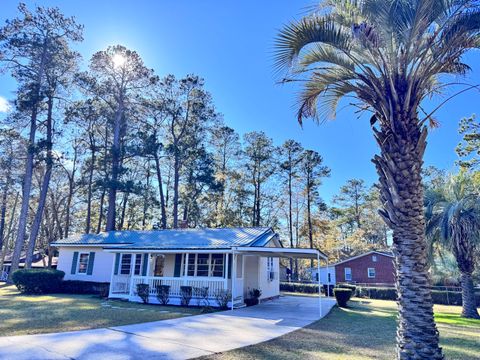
{"x": 118, "y": 60}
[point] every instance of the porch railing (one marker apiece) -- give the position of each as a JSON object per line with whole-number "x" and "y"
{"x": 213, "y": 284}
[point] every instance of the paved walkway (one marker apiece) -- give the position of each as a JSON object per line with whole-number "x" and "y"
{"x": 181, "y": 338}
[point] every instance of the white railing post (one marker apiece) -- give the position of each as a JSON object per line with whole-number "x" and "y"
{"x": 225, "y": 281}
{"x": 185, "y": 273}
{"x": 234, "y": 275}
{"x": 111, "y": 277}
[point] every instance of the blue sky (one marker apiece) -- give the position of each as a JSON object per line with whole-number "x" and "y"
{"x": 230, "y": 44}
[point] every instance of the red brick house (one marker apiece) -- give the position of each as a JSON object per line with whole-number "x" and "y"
{"x": 374, "y": 267}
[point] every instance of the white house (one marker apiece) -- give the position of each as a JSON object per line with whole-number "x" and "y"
{"x": 188, "y": 257}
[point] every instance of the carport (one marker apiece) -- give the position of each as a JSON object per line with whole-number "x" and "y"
{"x": 288, "y": 253}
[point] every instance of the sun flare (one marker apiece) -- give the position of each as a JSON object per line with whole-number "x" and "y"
{"x": 118, "y": 60}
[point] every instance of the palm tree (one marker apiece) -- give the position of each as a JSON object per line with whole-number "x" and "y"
{"x": 453, "y": 221}
{"x": 389, "y": 55}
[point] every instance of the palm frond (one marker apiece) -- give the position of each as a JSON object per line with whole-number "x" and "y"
{"x": 309, "y": 30}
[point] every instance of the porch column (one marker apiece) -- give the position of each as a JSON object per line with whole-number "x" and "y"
{"x": 225, "y": 272}
{"x": 133, "y": 258}
{"x": 234, "y": 275}
{"x": 149, "y": 260}
{"x": 111, "y": 275}
{"x": 319, "y": 285}
{"x": 185, "y": 268}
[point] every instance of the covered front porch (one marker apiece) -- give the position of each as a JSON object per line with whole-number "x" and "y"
{"x": 200, "y": 269}
{"x": 228, "y": 272}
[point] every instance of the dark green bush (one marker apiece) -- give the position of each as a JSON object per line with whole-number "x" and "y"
{"x": 143, "y": 291}
{"x": 342, "y": 295}
{"x": 377, "y": 293}
{"x": 84, "y": 287}
{"x": 38, "y": 281}
{"x": 163, "y": 294}
{"x": 185, "y": 295}
{"x": 299, "y": 287}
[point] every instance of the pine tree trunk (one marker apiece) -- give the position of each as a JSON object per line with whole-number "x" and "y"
{"x": 163, "y": 211}
{"x": 88, "y": 220}
{"x": 402, "y": 144}
{"x": 469, "y": 306}
{"x": 37, "y": 221}
{"x": 100, "y": 211}
{"x": 176, "y": 182}
{"x": 124, "y": 208}
{"x": 27, "y": 178}
{"x": 27, "y": 186}
{"x": 115, "y": 153}
{"x": 3, "y": 211}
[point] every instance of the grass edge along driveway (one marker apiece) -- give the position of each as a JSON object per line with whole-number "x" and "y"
{"x": 366, "y": 330}
{"x": 39, "y": 314}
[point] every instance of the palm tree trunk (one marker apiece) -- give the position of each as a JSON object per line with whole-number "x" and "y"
{"x": 402, "y": 144}
{"x": 469, "y": 306}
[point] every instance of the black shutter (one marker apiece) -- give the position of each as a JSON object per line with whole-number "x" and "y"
{"x": 74, "y": 263}
{"x": 230, "y": 259}
{"x": 117, "y": 261}
{"x": 91, "y": 259}
{"x": 145, "y": 263}
{"x": 178, "y": 265}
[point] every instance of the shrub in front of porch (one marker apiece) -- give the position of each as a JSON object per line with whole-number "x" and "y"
{"x": 185, "y": 295}
{"x": 37, "y": 281}
{"x": 143, "y": 291}
{"x": 163, "y": 294}
{"x": 223, "y": 296}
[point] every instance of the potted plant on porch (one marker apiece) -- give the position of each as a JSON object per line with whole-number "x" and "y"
{"x": 254, "y": 297}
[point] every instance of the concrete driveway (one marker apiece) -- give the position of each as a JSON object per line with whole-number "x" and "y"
{"x": 181, "y": 338}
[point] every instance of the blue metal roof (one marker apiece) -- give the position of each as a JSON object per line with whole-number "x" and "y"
{"x": 224, "y": 238}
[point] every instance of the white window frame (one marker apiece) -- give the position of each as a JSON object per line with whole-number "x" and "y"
{"x": 132, "y": 259}
{"x": 350, "y": 274}
{"x": 211, "y": 266}
{"x": 195, "y": 264}
{"x": 135, "y": 265}
{"x": 374, "y": 273}
{"x": 374, "y": 258}
{"x": 78, "y": 263}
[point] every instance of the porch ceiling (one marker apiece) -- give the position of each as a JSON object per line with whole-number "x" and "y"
{"x": 282, "y": 252}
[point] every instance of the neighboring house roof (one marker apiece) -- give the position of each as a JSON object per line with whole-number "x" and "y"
{"x": 37, "y": 256}
{"x": 224, "y": 238}
{"x": 384, "y": 253}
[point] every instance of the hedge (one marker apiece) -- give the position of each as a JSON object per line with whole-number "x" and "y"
{"x": 299, "y": 287}
{"x": 440, "y": 297}
{"x": 84, "y": 287}
{"x": 37, "y": 281}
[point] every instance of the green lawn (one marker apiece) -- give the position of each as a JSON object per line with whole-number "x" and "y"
{"x": 364, "y": 331}
{"x": 34, "y": 314}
